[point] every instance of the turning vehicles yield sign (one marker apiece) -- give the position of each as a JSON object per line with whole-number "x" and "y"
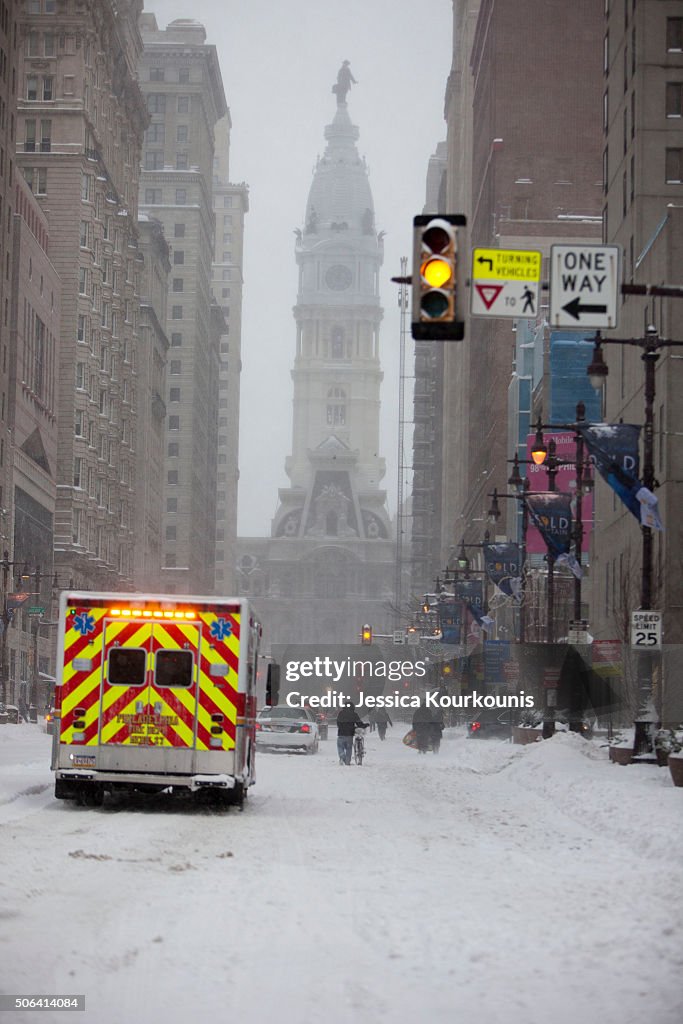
{"x": 584, "y": 285}
{"x": 505, "y": 282}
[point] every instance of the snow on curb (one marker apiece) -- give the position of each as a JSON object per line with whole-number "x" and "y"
{"x": 636, "y": 804}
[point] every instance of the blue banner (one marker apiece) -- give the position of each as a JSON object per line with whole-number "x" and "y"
{"x": 613, "y": 448}
{"x": 551, "y": 514}
{"x": 450, "y": 620}
{"x": 503, "y": 565}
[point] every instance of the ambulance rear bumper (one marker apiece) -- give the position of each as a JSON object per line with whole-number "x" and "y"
{"x": 144, "y": 780}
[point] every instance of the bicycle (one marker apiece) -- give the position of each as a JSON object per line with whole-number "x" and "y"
{"x": 358, "y": 746}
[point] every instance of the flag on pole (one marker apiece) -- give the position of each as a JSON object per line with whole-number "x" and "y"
{"x": 614, "y": 450}
{"x": 503, "y": 566}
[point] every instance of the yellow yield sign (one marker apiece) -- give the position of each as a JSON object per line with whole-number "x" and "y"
{"x": 505, "y": 282}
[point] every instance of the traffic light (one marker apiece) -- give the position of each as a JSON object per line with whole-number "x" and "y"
{"x": 438, "y": 252}
{"x": 366, "y": 635}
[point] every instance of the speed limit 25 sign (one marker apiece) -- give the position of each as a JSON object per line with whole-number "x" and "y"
{"x": 646, "y": 630}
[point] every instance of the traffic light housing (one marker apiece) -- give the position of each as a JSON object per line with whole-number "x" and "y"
{"x": 438, "y": 284}
{"x": 366, "y": 635}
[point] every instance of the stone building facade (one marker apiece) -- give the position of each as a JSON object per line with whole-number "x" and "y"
{"x": 230, "y": 204}
{"x": 181, "y": 81}
{"x": 151, "y": 436}
{"x": 643, "y": 213}
{"x": 79, "y": 131}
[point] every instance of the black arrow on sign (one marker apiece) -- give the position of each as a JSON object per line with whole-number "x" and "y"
{"x": 575, "y": 309}
{"x": 483, "y": 259}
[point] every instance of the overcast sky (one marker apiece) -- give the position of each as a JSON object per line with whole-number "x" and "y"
{"x": 279, "y": 59}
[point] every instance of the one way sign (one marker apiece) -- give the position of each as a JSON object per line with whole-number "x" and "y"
{"x": 584, "y": 285}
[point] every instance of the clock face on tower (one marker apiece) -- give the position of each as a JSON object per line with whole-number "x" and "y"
{"x": 338, "y": 277}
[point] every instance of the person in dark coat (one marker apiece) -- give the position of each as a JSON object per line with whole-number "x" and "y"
{"x": 422, "y": 726}
{"x": 382, "y": 720}
{"x": 347, "y": 720}
{"x": 436, "y": 728}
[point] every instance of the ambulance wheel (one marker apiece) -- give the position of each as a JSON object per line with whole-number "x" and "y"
{"x": 91, "y": 796}
{"x": 237, "y": 796}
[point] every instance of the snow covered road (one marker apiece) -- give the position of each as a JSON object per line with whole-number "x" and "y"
{"x": 490, "y": 884}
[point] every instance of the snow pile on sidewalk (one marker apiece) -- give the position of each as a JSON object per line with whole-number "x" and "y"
{"x": 634, "y": 804}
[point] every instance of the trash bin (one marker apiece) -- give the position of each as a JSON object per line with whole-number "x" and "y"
{"x": 33, "y": 713}
{"x": 12, "y": 714}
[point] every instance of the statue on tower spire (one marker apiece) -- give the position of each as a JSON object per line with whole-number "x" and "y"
{"x": 343, "y": 84}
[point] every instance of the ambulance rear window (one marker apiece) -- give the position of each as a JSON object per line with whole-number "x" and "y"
{"x": 126, "y": 666}
{"x": 173, "y": 668}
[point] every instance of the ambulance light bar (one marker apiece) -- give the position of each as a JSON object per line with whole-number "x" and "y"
{"x": 151, "y": 613}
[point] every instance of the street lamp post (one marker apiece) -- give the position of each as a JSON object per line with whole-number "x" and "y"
{"x": 522, "y": 485}
{"x": 597, "y": 372}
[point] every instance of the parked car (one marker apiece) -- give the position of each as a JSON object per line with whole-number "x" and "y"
{"x": 491, "y": 722}
{"x": 285, "y": 728}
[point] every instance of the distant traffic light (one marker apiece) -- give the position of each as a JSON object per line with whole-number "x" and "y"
{"x": 366, "y": 635}
{"x": 438, "y": 251}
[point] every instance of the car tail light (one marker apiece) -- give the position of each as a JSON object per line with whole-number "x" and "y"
{"x": 304, "y": 728}
{"x": 475, "y": 726}
{"x": 258, "y": 727}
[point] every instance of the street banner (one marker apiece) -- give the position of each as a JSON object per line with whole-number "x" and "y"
{"x": 614, "y": 450}
{"x": 551, "y": 514}
{"x": 450, "y": 619}
{"x": 471, "y": 593}
{"x": 503, "y": 565}
{"x": 565, "y": 480}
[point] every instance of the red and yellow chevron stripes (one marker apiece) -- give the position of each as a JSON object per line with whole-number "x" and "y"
{"x": 200, "y": 716}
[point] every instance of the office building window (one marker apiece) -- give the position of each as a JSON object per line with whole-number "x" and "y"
{"x": 674, "y": 99}
{"x": 156, "y": 133}
{"x": 674, "y": 35}
{"x": 674, "y": 166}
{"x": 179, "y": 230}
{"x": 176, "y": 313}
{"x": 180, "y": 196}
{"x": 156, "y": 103}
{"x": 154, "y": 160}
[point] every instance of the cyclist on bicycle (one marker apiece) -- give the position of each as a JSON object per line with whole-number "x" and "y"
{"x": 347, "y": 720}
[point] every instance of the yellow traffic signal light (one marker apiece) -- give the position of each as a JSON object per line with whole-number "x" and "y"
{"x": 366, "y": 635}
{"x": 436, "y": 285}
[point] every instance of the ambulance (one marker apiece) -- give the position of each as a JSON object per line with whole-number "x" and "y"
{"x": 154, "y": 692}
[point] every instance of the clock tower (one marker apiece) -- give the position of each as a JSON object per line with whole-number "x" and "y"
{"x": 330, "y": 559}
{"x": 335, "y": 467}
